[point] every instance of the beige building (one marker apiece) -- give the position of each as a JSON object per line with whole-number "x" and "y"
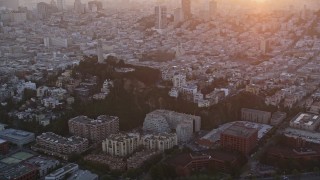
{"x": 121, "y": 144}
{"x": 50, "y": 142}
{"x": 95, "y": 130}
{"x": 304, "y": 121}
{"x": 159, "y": 142}
{"x": 125, "y": 144}
{"x": 255, "y": 116}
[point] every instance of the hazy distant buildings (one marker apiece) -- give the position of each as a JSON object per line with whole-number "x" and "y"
{"x": 18, "y": 17}
{"x": 177, "y": 15}
{"x": 79, "y": 7}
{"x": 10, "y": 4}
{"x": 95, "y": 130}
{"x": 45, "y": 10}
{"x": 100, "y": 52}
{"x": 213, "y": 7}
{"x": 56, "y": 42}
{"x": 240, "y": 138}
{"x": 161, "y": 17}
{"x": 179, "y": 80}
{"x": 186, "y": 9}
{"x": 264, "y": 46}
{"x": 61, "y": 4}
{"x": 95, "y": 6}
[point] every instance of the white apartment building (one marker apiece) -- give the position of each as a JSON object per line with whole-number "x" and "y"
{"x": 179, "y": 80}
{"x": 161, "y": 121}
{"x": 159, "y": 142}
{"x": 121, "y": 144}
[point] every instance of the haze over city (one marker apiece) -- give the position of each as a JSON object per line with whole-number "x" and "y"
{"x": 159, "y": 89}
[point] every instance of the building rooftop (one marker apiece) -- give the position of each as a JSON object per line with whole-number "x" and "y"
{"x": 254, "y": 111}
{"x": 100, "y": 119}
{"x": 63, "y": 170}
{"x": 240, "y": 130}
{"x": 16, "y": 171}
{"x": 15, "y": 134}
{"x": 122, "y": 137}
{"x": 54, "y": 138}
{"x": 83, "y": 175}
{"x": 306, "y": 119}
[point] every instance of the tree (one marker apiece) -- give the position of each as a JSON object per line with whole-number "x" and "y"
{"x": 316, "y": 170}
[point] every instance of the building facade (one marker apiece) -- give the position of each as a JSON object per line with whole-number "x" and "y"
{"x": 159, "y": 142}
{"x": 239, "y": 138}
{"x": 51, "y": 142}
{"x": 255, "y": 116}
{"x": 95, "y": 130}
{"x": 121, "y": 144}
{"x": 160, "y": 121}
{"x": 161, "y": 17}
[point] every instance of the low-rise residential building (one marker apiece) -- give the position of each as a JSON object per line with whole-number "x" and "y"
{"x": 20, "y": 171}
{"x": 51, "y": 143}
{"x": 44, "y": 165}
{"x": 137, "y": 159}
{"x": 277, "y": 118}
{"x": 114, "y": 163}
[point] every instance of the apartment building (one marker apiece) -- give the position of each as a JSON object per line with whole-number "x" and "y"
{"x": 95, "y": 130}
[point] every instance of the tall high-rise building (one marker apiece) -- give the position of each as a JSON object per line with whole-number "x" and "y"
{"x": 100, "y": 52}
{"x": 95, "y": 6}
{"x": 177, "y": 15}
{"x": 79, "y": 7}
{"x": 186, "y": 9}
{"x": 213, "y": 7}
{"x": 61, "y": 4}
{"x": 161, "y": 17}
{"x": 45, "y": 10}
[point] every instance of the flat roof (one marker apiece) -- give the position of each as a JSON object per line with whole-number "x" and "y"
{"x": 16, "y": 171}
{"x": 240, "y": 130}
{"x": 15, "y": 134}
{"x": 255, "y": 111}
{"x": 100, "y": 119}
{"x": 54, "y": 138}
{"x": 83, "y": 175}
{"x": 306, "y": 118}
{"x": 64, "y": 169}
